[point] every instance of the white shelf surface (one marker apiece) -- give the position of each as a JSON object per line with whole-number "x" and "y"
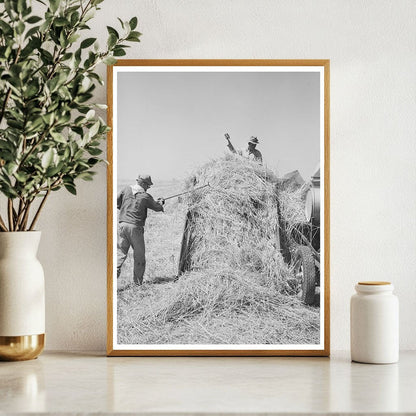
{"x": 86, "y": 383}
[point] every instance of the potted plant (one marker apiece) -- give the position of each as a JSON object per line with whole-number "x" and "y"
{"x": 50, "y": 135}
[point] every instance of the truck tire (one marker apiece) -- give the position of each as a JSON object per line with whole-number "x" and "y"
{"x": 304, "y": 268}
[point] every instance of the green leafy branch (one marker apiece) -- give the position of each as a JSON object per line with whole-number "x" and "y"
{"x": 50, "y": 134}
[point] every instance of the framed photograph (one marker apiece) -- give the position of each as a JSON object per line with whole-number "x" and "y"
{"x": 218, "y": 208}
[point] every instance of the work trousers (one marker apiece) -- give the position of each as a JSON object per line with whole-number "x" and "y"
{"x": 131, "y": 235}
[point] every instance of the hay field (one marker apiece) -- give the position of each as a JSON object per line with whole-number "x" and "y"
{"x": 236, "y": 290}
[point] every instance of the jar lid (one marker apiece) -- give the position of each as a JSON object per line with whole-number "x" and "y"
{"x": 373, "y": 287}
{"x": 374, "y": 283}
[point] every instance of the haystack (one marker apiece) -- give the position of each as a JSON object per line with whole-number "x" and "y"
{"x": 235, "y": 224}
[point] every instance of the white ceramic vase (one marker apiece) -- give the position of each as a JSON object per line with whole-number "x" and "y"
{"x": 22, "y": 296}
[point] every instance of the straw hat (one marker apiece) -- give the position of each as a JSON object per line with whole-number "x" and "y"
{"x": 145, "y": 178}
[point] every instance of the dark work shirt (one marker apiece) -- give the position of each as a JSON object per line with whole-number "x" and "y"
{"x": 133, "y": 207}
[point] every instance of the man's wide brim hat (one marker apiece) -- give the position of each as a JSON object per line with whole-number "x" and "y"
{"x": 145, "y": 178}
{"x": 253, "y": 140}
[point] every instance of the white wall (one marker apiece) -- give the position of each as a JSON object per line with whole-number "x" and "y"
{"x": 371, "y": 45}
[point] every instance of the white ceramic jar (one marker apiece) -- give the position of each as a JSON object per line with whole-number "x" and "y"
{"x": 374, "y": 323}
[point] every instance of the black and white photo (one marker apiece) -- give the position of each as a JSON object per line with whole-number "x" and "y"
{"x": 218, "y": 208}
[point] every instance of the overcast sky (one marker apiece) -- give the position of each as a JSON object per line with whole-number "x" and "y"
{"x": 170, "y": 123}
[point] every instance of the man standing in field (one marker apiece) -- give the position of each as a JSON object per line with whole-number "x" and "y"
{"x": 250, "y": 152}
{"x": 133, "y": 202}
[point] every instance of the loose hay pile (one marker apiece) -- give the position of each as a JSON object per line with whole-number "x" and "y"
{"x": 235, "y": 290}
{"x": 203, "y": 308}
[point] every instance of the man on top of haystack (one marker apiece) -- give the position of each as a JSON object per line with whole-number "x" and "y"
{"x": 250, "y": 152}
{"x": 133, "y": 202}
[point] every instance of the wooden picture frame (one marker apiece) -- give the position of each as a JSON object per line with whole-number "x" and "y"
{"x": 150, "y": 87}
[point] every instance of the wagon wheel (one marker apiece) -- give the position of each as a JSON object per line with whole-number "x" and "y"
{"x": 304, "y": 267}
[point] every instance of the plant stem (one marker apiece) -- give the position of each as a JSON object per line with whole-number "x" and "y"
{"x": 26, "y": 216}
{"x": 2, "y": 224}
{"x": 18, "y": 215}
{"x": 39, "y": 209}
{"x": 10, "y": 213}
{"x": 21, "y": 213}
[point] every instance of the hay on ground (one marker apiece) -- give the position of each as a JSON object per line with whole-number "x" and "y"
{"x": 209, "y": 308}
